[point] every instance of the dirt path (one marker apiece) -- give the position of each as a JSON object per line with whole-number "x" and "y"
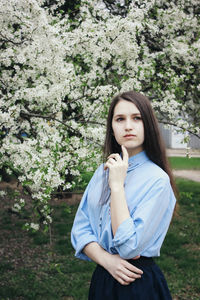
{"x": 183, "y": 152}
{"x": 188, "y": 174}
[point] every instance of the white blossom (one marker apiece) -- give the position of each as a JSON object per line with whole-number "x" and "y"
{"x": 34, "y": 226}
{"x": 3, "y": 193}
{"x": 58, "y": 80}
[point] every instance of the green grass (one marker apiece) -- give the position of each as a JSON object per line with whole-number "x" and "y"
{"x": 180, "y": 253}
{"x": 185, "y": 163}
{"x": 32, "y": 269}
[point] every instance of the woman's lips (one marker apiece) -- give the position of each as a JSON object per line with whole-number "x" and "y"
{"x": 129, "y": 136}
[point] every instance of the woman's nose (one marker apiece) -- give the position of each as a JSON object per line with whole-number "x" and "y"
{"x": 128, "y": 125}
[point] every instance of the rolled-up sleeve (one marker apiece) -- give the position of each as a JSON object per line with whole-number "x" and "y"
{"x": 148, "y": 223}
{"x": 82, "y": 233}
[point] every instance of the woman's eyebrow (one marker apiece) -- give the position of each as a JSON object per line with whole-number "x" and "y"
{"x": 121, "y": 115}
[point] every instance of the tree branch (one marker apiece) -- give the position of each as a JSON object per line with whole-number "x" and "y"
{"x": 6, "y": 40}
{"x": 175, "y": 125}
{"x": 24, "y": 114}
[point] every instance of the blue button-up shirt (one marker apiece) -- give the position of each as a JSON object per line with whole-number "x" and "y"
{"x": 150, "y": 200}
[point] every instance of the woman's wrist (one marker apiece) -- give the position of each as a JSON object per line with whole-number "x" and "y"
{"x": 99, "y": 255}
{"x": 117, "y": 187}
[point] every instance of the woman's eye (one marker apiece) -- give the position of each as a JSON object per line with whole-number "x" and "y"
{"x": 119, "y": 119}
{"x": 137, "y": 118}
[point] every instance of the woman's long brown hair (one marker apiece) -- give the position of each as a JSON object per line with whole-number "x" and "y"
{"x": 153, "y": 143}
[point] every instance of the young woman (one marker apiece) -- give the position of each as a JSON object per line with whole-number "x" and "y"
{"x": 127, "y": 207}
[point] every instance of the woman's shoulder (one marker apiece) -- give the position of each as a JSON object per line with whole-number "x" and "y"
{"x": 98, "y": 172}
{"x": 155, "y": 172}
{"x": 99, "y": 169}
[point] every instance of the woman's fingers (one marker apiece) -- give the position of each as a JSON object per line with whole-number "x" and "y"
{"x": 132, "y": 271}
{"x": 107, "y": 165}
{"x": 126, "y": 280}
{"x": 112, "y": 159}
{"x": 125, "y": 154}
{"x": 123, "y": 271}
{"x": 132, "y": 268}
{"x": 131, "y": 275}
{"x": 125, "y": 277}
{"x": 115, "y": 156}
{"x": 128, "y": 272}
{"x": 123, "y": 282}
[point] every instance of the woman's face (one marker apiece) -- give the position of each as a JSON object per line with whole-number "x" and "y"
{"x": 128, "y": 127}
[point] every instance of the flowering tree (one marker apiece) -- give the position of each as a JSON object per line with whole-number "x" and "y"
{"x": 59, "y": 70}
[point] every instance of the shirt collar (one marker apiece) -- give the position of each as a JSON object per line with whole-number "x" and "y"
{"x": 137, "y": 160}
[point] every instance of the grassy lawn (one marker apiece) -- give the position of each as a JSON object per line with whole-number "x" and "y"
{"x": 185, "y": 163}
{"x": 32, "y": 269}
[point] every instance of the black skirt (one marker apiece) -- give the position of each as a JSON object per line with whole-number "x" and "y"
{"x": 151, "y": 286}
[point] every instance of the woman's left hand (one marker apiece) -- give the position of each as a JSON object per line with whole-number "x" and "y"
{"x": 117, "y": 168}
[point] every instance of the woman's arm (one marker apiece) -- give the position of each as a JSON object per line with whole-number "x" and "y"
{"x": 120, "y": 269}
{"x": 118, "y": 207}
{"x": 144, "y": 230}
{"x": 117, "y": 174}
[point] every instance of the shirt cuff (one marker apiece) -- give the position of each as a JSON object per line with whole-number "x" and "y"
{"x": 79, "y": 252}
{"x": 124, "y": 232}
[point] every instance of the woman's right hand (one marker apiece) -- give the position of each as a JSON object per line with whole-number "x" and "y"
{"x": 119, "y": 268}
{"x": 123, "y": 271}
